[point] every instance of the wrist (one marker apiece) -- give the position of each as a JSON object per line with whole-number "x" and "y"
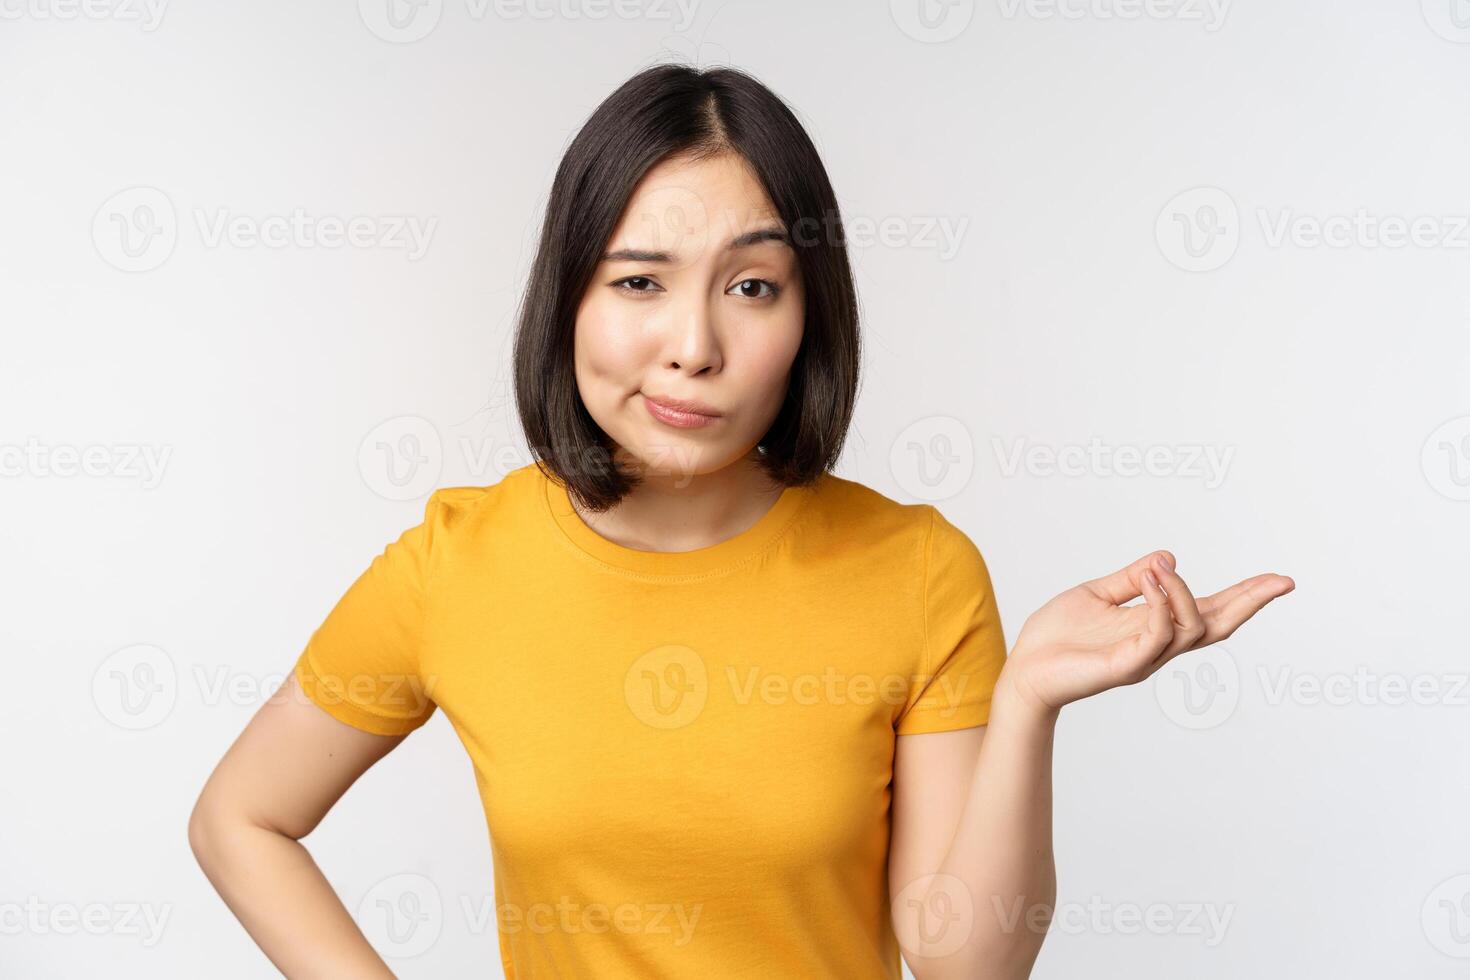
{"x": 1014, "y": 698}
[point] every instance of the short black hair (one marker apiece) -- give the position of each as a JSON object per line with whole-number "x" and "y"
{"x": 662, "y": 111}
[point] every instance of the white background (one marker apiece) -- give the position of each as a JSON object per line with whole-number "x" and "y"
{"x": 1289, "y": 783}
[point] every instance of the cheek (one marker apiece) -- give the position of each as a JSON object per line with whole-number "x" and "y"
{"x": 610, "y": 348}
{"x": 767, "y": 354}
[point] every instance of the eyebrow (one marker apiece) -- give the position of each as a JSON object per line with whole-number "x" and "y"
{"x": 771, "y": 233}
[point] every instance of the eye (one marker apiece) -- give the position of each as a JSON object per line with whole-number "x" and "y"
{"x": 627, "y": 285}
{"x": 775, "y": 290}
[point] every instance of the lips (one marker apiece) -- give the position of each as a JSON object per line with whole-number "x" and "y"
{"x": 683, "y": 406}
{"x": 680, "y": 413}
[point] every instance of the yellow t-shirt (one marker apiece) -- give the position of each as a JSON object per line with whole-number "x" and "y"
{"x": 684, "y": 758}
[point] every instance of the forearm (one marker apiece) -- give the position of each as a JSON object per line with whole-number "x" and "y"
{"x": 1000, "y": 863}
{"x": 283, "y": 900}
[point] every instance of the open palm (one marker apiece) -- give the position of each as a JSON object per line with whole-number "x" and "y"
{"x": 1087, "y": 640}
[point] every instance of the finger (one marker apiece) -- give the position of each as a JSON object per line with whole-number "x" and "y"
{"x": 1211, "y": 603}
{"x": 1134, "y": 657}
{"x": 1225, "y": 611}
{"x": 1189, "y": 623}
{"x": 1126, "y": 584}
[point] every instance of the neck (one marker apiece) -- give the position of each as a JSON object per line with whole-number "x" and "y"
{"x": 677, "y": 512}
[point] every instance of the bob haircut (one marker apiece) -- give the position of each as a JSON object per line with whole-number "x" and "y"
{"x": 662, "y": 111}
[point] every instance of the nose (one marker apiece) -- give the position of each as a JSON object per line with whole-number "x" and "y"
{"x": 692, "y": 344}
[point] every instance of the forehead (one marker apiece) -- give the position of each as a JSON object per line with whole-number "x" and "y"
{"x": 715, "y": 199}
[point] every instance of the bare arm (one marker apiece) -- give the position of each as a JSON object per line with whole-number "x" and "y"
{"x": 971, "y": 868}
{"x": 273, "y": 786}
{"x": 972, "y": 872}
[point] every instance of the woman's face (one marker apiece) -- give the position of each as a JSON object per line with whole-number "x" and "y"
{"x": 698, "y": 300}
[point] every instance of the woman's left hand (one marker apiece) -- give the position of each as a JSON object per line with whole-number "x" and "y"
{"x": 1086, "y": 640}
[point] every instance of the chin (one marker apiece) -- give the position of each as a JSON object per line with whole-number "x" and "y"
{"x": 677, "y": 455}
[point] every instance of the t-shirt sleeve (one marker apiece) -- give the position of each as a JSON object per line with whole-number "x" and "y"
{"x": 964, "y": 645}
{"x": 361, "y": 665}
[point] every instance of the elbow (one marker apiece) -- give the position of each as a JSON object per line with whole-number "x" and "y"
{"x": 213, "y": 829}
{"x": 201, "y": 831}
{"x": 223, "y": 834}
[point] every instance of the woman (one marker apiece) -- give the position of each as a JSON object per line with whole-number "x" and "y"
{"x": 730, "y": 714}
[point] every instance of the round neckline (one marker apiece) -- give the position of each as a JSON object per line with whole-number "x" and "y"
{"x": 719, "y": 556}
